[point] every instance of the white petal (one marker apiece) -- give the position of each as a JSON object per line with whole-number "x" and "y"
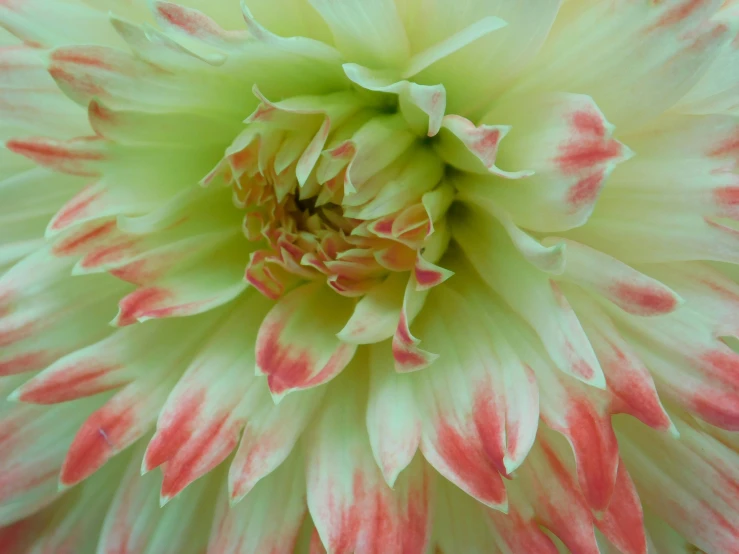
{"x": 655, "y": 51}
{"x": 393, "y": 422}
{"x": 696, "y": 496}
{"x": 366, "y": 31}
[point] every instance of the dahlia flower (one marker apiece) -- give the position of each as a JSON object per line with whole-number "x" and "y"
{"x": 369, "y": 276}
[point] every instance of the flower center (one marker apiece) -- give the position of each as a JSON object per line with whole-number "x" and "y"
{"x": 335, "y": 190}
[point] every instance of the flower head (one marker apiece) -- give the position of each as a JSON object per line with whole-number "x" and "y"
{"x": 369, "y": 276}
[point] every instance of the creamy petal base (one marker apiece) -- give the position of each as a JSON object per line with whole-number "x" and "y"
{"x": 369, "y": 276}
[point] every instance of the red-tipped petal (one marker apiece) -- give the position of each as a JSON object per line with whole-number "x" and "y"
{"x": 118, "y": 424}
{"x": 295, "y": 350}
{"x": 623, "y": 522}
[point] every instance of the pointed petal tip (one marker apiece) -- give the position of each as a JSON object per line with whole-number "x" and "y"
{"x": 510, "y": 465}
{"x": 345, "y": 335}
{"x": 118, "y": 320}
{"x": 63, "y": 487}
{"x": 673, "y": 430}
{"x": 16, "y": 395}
{"x": 415, "y": 361}
{"x": 51, "y": 229}
{"x": 499, "y": 506}
{"x": 390, "y": 480}
{"x": 679, "y": 302}
{"x": 390, "y": 475}
{"x": 145, "y": 468}
{"x": 598, "y": 380}
{"x": 79, "y": 269}
{"x": 238, "y": 491}
{"x": 235, "y": 497}
{"x": 626, "y": 152}
{"x": 66, "y": 479}
{"x": 277, "y": 396}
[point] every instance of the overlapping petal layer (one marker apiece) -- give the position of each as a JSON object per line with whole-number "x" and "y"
{"x": 368, "y": 277}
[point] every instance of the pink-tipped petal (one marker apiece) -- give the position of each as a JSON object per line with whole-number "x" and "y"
{"x": 352, "y": 507}
{"x": 118, "y": 424}
{"x": 584, "y": 419}
{"x": 549, "y": 485}
{"x": 184, "y": 291}
{"x": 292, "y": 351}
{"x": 571, "y": 156}
{"x": 626, "y": 287}
{"x": 623, "y": 522}
{"x": 195, "y": 24}
{"x": 269, "y": 436}
{"x": 474, "y": 148}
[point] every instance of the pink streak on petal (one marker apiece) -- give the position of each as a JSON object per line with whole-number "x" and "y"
{"x": 213, "y": 444}
{"x": 76, "y": 208}
{"x": 173, "y": 433}
{"x": 291, "y": 367}
{"x": 73, "y": 382}
{"x": 56, "y": 155}
{"x": 471, "y": 465}
{"x": 78, "y": 243}
{"x": 623, "y": 522}
{"x": 95, "y": 442}
{"x": 585, "y": 191}
{"x": 139, "y": 303}
{"x": 652, "y": 300}
{"x": 596, "y": 452}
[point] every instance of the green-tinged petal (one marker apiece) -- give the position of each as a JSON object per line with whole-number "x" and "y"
{"x": 530, "y": 293}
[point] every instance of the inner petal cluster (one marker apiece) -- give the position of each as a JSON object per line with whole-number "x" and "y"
{"x": 336, "y": 187}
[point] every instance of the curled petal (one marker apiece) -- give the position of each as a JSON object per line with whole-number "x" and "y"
{"x": 119, "y": 423}
{"x": 422, "y": 105}
{"x": 474, "y": 148}
{"x": 408, "y": 356}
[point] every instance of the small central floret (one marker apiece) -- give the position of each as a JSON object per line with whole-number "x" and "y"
{"x": 305, "y": 238}
{"x": 335, "y": 190}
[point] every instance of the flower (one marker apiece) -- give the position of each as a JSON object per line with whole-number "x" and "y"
{"x": 391, "y": 276}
